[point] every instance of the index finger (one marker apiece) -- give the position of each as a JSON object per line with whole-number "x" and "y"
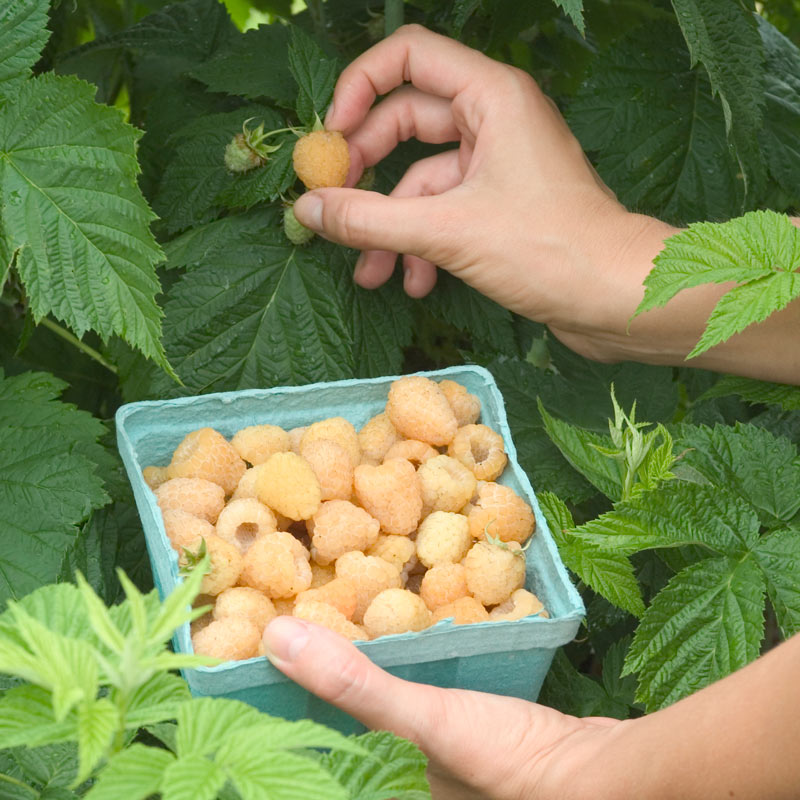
{"x": 431, "y": 62}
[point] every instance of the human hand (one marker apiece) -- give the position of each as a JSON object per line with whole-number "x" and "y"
{"x": 478, "y": 745}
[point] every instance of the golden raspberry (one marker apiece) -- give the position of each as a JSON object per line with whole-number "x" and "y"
{"x": 184, "y": 529}
{"x": 283, "y": 605}
{"x": 338, "y": 430}
{"x": 493, "y": 572}
{"x": 397, "y": 550}
{"x": 320, "y": 575}
{"x": 412, "y": 450}
{"x": 295, "y": 437}
{"x": 501, "y": 512}
{"x": 466, "y": 406}
{"x": 375, "y": 439}
{"x": 338, "y": 527}
{"x": 339, "y": 593}
{"x": 332, "y": 466}
{"x": 369, "y": 574}
{"x": 256, "y": 443}
{"x": 200, "y": 497}
{"x": 154, "y": 476}
{"x": 198, "y": 624}
{"x": 225, "y": 564}
{"x": 272, "y": 566}
{"x": 396, "y": 611}
{"x": 443, "y": 537}
{"x": 443, "y": 584}
{"x": 522, "y": 603}
{"x": 418, "y": 409}
{"x": 331, "y": 618}
{"x": 464, "y": 611}
{"x": 391, "y": 493}
{"x": 242, "y": 521}
{"x": 206, "y": 453}
{"x": 287, "y": 484}
{"x": 230, "y": 639}
{"x": 244, "y": 601}
{"x": 446, "y": 484}
{"x": 321, "y": 158}
{"x": 480, "y": 450}
{"x": 247, "y": 484}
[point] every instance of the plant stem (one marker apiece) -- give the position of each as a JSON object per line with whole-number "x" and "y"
{"x": 19, "y": 784}
{"x": 317, "y": 10}
{"x": 392, "y": 15}
{"x": 74, "y": 340}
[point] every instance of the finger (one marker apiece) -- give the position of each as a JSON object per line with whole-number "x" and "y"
{"x": 419, "y": 276}
{"x": 433, "y": 63}
{"x": 374, "y": 268}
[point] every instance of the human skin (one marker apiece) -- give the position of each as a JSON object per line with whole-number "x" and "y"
{"x": 736, "y": 738}
{"x": 516, "y": 211}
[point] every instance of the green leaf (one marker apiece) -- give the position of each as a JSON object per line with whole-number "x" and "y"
{"x": 134, "y": 774}
{"x": 205, "y": 724}
{"x": 395, "y": 768}
{"x": 760, "y": 251}
{"x": 574, "y": 10}
{"x": 315, "y": 73}
{"x": 192, "y": 778}
{"x": 52, "y": 768}
{"x": 156, "y": 700}
{"x": 26, "y": 718}
{"x": 75, "y": 213}
{"x": 23, "y": 34}
{"x": 706, "y": 623}
{"x": 755, "y": 392}
{"x": 778, "y": 556}
{"x": 98, "y": 721}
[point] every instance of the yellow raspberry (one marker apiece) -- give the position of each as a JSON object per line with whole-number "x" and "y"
{"x": 274, "y": 568}
{"x": 418, "y": 409}
{"x": 375, "y": 439}
{"x": 320, "y": 575}
{"x": 369, "y": 574}
{"x": 501, "y": 512}
{"x": 396, "y": 611}
{"x": 200, "y": 497}
{"x": 206, "y": 453}
{"x": 321, "y": 158}
{"x": 284, "y": 606}
{"x": 443, "y": 537}
{"x": 391, "y": 493}
{"x": 443, "y": 584}
{"x": 247, "y": 486}
{"x": 397, "y": 550}
{"x": 155, "y": 476}
{"x": 230, "y": 639}
{"x": 287, "y": 484}
{"x": 339, "y": 593}
{"x": 225, "y": 563}
{"x": 465, "y": 611}
{"x": 446, "y": 484}
{"x": 338, "y": 527}
{"x": 494, "y": 572}
{"x": 295, "y": 437}
{"x": 244, "y": 601}
{"x": 331, "y": 618}
{"x": 332, "y": 466}
{"x": 256, "y": 443}
{"x": 522, "y": 603}
{"x": 184, "y": 529}
{"x": 466, "y": 406}
{"x": 481, "y": 450}
{"x": 412, "y": 450}
{"x": 242, "y": 521}
{"x": 336, "y": 429}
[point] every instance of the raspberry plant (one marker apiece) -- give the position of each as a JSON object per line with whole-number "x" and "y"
{"x": 135, "y": 265}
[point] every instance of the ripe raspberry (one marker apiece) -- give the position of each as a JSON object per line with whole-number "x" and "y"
{"x": 256, "y": 443}
{"x": 293, "y": 229}
{"x": 273, "y": 567}
{"x": 494, "y": 572}
{"x": 501, "y": 512}
{"x": 320, "y": 575}
{"x": 375, "y": 439}
{"x": 397, "y": 550}
{"x": 184, "y": 529}
{"x": 244, "y": 601}
{"x": 329, "y": 617}
{"x": 284, "y": 606}
{"x": 154, "y": 476}
{"x": 418, "y": 409}
{"x": 522, "y": 603}
{"x": 339, "y": 593}
{"x": 247, "y": 484}
{"x": 225, "y": 563}
{"x": 321, "y": 158}
{"x": 198, "y": 624}
{"x": 464, "y": 611}
{"x": 332, "y": 466}
{"x": 446, "y": 484}
{"x": 295, "y": 437}
{"x": 443, "y": 537}
{"x": 206, "y": 453}
{"x": 338, "y": 527}
{"x": 337, "y": 429}
{"x": 391, "y": 493}
{"x": 480, "y": 450}
{"x": 396, "y": 611}
{"x": 288, "y": 484}
{"x": 229, "y": 639}
{"x": 412, "y": 450}
{"x": 292, "y": 542}
{"x": 243, "y": 521}
{"x": 199, "y": 497}
{"x": 443, "y": 584}
{"x": 466, "y": 406}
{"x": 369, "y": 574}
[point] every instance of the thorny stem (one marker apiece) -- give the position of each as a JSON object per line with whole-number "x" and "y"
{"x": 76, "y": 342}
{"x": 393, "y": 13}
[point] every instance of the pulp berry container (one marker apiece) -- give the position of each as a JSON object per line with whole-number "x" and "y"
{"x": 510, "y": 658}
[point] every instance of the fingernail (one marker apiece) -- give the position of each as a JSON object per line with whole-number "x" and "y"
{"x": 284, "y": 639}
{"x": 308, "y": 209}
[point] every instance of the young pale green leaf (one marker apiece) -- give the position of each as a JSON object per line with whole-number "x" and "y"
{"x": 707, "y": 622}
{"x": 23, "y": 34}
{"x": 192, "y": 777}
{"x": 98, "y": 721}
{"x": 778, "y": 556}
{"x": 59, "y": 606}
{"x": 206, "y": 723}
{"x": 315, "y": 72}
{"x": 395, "y": 768}
{"x": 26, "y": 718}
{"x": 99, "y": 618}
{"x": 76, "y": 214}
{"x": 156, "y": 700}
{"x": 755, "y": 392}
{"x": 134, "y": 774}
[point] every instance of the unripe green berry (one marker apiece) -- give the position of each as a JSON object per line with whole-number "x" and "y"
{"x": 239, "y": 156}
{"x": 296, "y": 232}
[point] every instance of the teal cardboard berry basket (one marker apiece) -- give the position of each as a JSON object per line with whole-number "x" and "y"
{"x": 510, "y": 658}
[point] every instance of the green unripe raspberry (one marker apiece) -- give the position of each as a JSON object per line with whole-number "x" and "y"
{"x": 239, "y": 156}
{"x": 367, "y": 179}
{"x": 296, "y": 232}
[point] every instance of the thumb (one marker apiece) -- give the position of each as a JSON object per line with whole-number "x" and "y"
{"x": 372, "y": 221}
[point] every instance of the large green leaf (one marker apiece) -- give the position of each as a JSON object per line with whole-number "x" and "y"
{"x": 778, "y": 555}
{"x": 75, "y": 215}
{"x": 756, "y": 392}
{"x": 23, "y": 34}
{"x": 135, "y": 774}
{"x": 315, "y": 72}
